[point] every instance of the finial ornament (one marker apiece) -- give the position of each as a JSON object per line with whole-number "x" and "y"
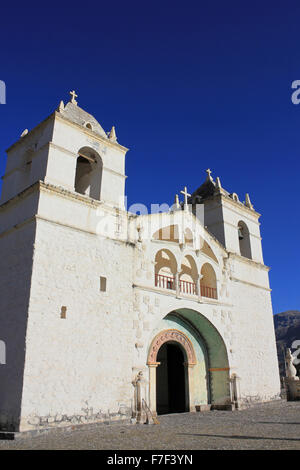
{"x": 209, "y": 178}
{"x": 112, "y": 135}
{"x": 218, "y": 183}
{"x": 73, "y": 96}
{"x": 61, "y": 106}
{"x": 176, "y": 205}
{"x": 248, "y": 202}
{"x": 186, "y": 195}
{"x": 25, "y": 132}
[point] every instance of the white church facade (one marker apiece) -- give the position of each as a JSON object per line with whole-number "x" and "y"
{"x": 105, "y": 313}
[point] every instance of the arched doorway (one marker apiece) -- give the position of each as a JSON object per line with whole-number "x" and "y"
{"x": 175, "y": 377}
{"x": 171, "y": 380}
{"x": 206, "y": 365}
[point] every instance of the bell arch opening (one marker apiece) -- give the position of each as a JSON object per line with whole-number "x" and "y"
{"x": 88, "y": 173}
{"x": 244, "y": 240}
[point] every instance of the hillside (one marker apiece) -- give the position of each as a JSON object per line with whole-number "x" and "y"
{"x": 287, "y": 330}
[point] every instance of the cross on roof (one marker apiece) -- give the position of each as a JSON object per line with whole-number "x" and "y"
{"x": 186, "y": 195}
{"x": 208, "y": 171}
{"x": 73, "y": 96}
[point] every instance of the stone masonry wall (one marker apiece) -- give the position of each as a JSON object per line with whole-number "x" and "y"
{"x": 255, "y": 348}
{"x": 79, "y": 367}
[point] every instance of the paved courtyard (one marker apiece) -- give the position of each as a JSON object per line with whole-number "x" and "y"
{"x": 269, "y": 426}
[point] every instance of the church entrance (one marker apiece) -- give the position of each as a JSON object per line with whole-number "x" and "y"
{"x": 171, "y": 380}
{"x": 188, "y": 364}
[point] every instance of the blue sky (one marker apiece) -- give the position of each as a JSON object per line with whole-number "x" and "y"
{"x": 188, "y": 85}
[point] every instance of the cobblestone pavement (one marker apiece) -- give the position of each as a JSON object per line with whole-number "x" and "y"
{"x": 268, "y": 426}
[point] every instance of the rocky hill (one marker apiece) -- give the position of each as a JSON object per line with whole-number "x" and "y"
{"x": 287, "y": 330}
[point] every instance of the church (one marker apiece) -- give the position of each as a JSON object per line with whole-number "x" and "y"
{"x": 107, "y": 314}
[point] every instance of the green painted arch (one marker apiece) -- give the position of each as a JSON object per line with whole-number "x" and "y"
{"x": 216, "y": 353}
{"x": 218, "y": 357}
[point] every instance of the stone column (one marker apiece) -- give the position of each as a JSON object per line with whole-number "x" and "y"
{"x": 198, "y": 288}
{"x": 152, "y": 388}
{"x": 140, "y": 394}
{"x": 218, "y": 287}
{"x": 177, "y": 284}
{"x": 235, "y": 390}
{"x": 189, "y": 372}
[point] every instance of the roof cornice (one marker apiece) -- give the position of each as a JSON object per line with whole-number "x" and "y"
{"x": 21, "y": 140}
{"x": 235, "y": 204}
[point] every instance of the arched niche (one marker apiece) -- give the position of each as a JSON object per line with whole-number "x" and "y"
{"x": 208, "y": 282}
{"x": 165, "y": 269}
{"x": 169, "y": 233}
{"x": 188, "y": 275}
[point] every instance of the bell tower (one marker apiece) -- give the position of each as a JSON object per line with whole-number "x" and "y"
{"x": 70, "y": 150}
{"x": 63, "y": 186}
{"x": 235, "y": 224}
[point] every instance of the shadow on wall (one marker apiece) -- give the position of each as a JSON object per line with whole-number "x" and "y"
{"x": 16, "y": 268}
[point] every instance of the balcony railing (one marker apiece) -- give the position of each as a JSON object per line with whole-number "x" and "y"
{"x": 186, "y": 287}
{"x": 209, "y": 292}
{"x": 165, "y": 282}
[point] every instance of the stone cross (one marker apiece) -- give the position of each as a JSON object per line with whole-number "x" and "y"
{"x": 186, "y": 195}
{"x": 208, "y": 171}
{"x": 73, "y": 96}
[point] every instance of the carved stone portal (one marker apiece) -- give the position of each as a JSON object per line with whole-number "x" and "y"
{"x": 171, "y": 335}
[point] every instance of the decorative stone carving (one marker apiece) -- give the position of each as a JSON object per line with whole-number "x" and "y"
{"x": 112, "y": 135}
{"x": 248, "y": 202}
{"x": 235, "y": 390}
{"x": 171, "y": 335}
{"x": 291, "y": 370}
{"x": 61, "y": 106}
{"x": 291, "y": 380}
{"x": 140, "y": 384}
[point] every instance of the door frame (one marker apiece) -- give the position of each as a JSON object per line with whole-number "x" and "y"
{"x": 174, "y": 336}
